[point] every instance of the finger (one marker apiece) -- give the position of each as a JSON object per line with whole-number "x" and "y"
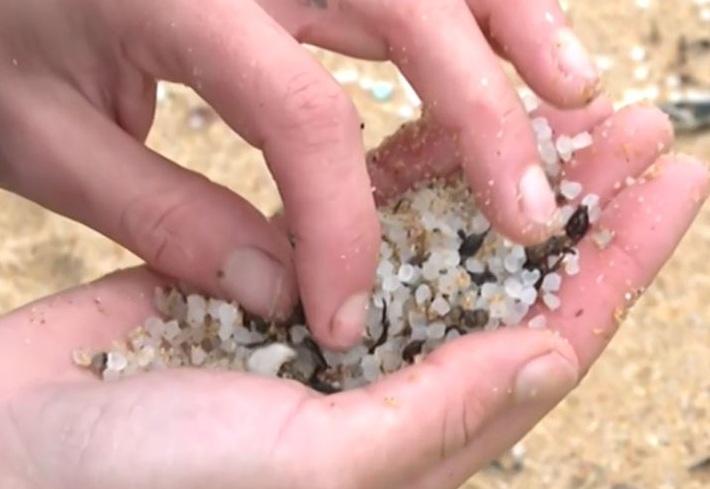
{"x": 329, "y": 24}
{"x": 647, "y": 219}
{"x": 179, "y": 222}
{"x": 533, "y": 35}
{"x": 466, "y": 92}
{"x": 422, "y": 150}
{"x": 286, "y": 104}
{"x": 536, "y": 38}
{"x": 625, "y": 145}
{"x": 575, "y": 121}
{"x": 426, "y": 413}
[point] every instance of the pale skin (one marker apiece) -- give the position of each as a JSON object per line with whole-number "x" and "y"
{"x": 72, "y": 103}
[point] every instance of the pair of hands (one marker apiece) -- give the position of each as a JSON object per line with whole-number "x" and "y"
{"x": 78, "y": 80}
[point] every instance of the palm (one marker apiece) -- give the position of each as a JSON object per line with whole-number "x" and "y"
{"x": 426, "y": 426}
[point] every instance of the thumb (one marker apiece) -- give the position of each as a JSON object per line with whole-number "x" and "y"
{"x": 428, "y": 413}
{"x": 179, "y": 222}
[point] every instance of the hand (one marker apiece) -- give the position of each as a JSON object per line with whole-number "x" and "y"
{"x": 431, "y": 425}
{"x": 77, "y": 101}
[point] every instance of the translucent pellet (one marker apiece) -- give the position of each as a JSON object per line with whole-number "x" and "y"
{"x": 513, "y": 264}
{"x": 116, "y": 361}
{"x": 480, "y": 224}
{"x": 541, "y": 128}
{"x": 474, "y": 265}
{"x": 422, "y": 294}
{"x": 225, "y": 331}
{"x": 440, "y": 306}
{"x": 227, "y": 314}
{"x": 530, "y": 277}
{"x": 298, "y": 333}
{"x": 407, "y": 273}
{"x": 489, "y": 290}
{"x": 552, "y": 282}
{"x": 529, "y": 295}
{"x": 172, "y": 330}
{"x": 370, "y": 368}
{"x": 197, "y": 356}
{"x": 581, "y": 141}
{"x": 590, "y": 200}
{"x": 196, "y": 309}
{"x": 548, "y": 153}
{"x": 155, "y": 327}
{"x": 385, "y": 268}
{"x": 436, "y": 330}
{"x": 451, "y": 258}
{"x": 551, "y": 301}
{"x": 570, "y": 190}
{"x": 391, "y": 283}
{"x": 448, "y": 283}
{"x": 565, "y": 147}
{"x": 513, "y": 287}
{"x": 538, "y": 322}
{"x": 571, "y": 265}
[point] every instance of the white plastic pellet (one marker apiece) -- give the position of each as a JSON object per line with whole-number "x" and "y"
{"x": 581, "y": 141}
{"x": 570, "y": 190}
{"x": 422, "y": 294}
{"x": 552, "y": 282}
{"x": 538, "y": 322}
{"x": 436, "y": 331}
{"x": 407, "y": 273}
{"x": 551, "y": 301}
{"x": 116, "y": 361}
{"x": 268, "y": 360}
{"x": 440, "y": 306}
{"x": 513, "y": 288}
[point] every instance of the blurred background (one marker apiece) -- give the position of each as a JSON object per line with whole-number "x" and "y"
{"x": 641, "y": 419}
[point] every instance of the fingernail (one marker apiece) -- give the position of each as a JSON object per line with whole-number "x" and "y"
{"x": 349, "y": 321}
{"x": 254, "y": 279}
{"x": 546, "y": 378}
{"x": 574, "y": 58}
{"x": 536, "y": 196}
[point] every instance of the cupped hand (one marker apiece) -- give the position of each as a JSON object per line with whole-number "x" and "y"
{"x": 431, "y": 425}
{"x": 78, "y": 96}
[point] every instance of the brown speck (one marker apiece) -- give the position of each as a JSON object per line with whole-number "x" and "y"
{"x": 628, "y": 152}
{"x": 701, "y": 463}
{"x": 579, "y": 313}
{"x": 620, "y": 314}
{"x": 220, "y": 274}
{"x": 391, "y": 402}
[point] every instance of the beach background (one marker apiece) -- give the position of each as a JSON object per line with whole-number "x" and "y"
{"x": 641, "y": 419}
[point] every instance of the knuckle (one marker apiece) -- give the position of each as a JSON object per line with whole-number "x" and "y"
{"x": 154, "y": 225}
{"x": 462, "y": 418}
{"x": 314, "y": 104}
{"x": 411, "y": 17}
{"x": 460, "y": 424}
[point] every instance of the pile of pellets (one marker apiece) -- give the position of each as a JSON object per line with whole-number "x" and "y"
{"x": 443, "y": 273}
